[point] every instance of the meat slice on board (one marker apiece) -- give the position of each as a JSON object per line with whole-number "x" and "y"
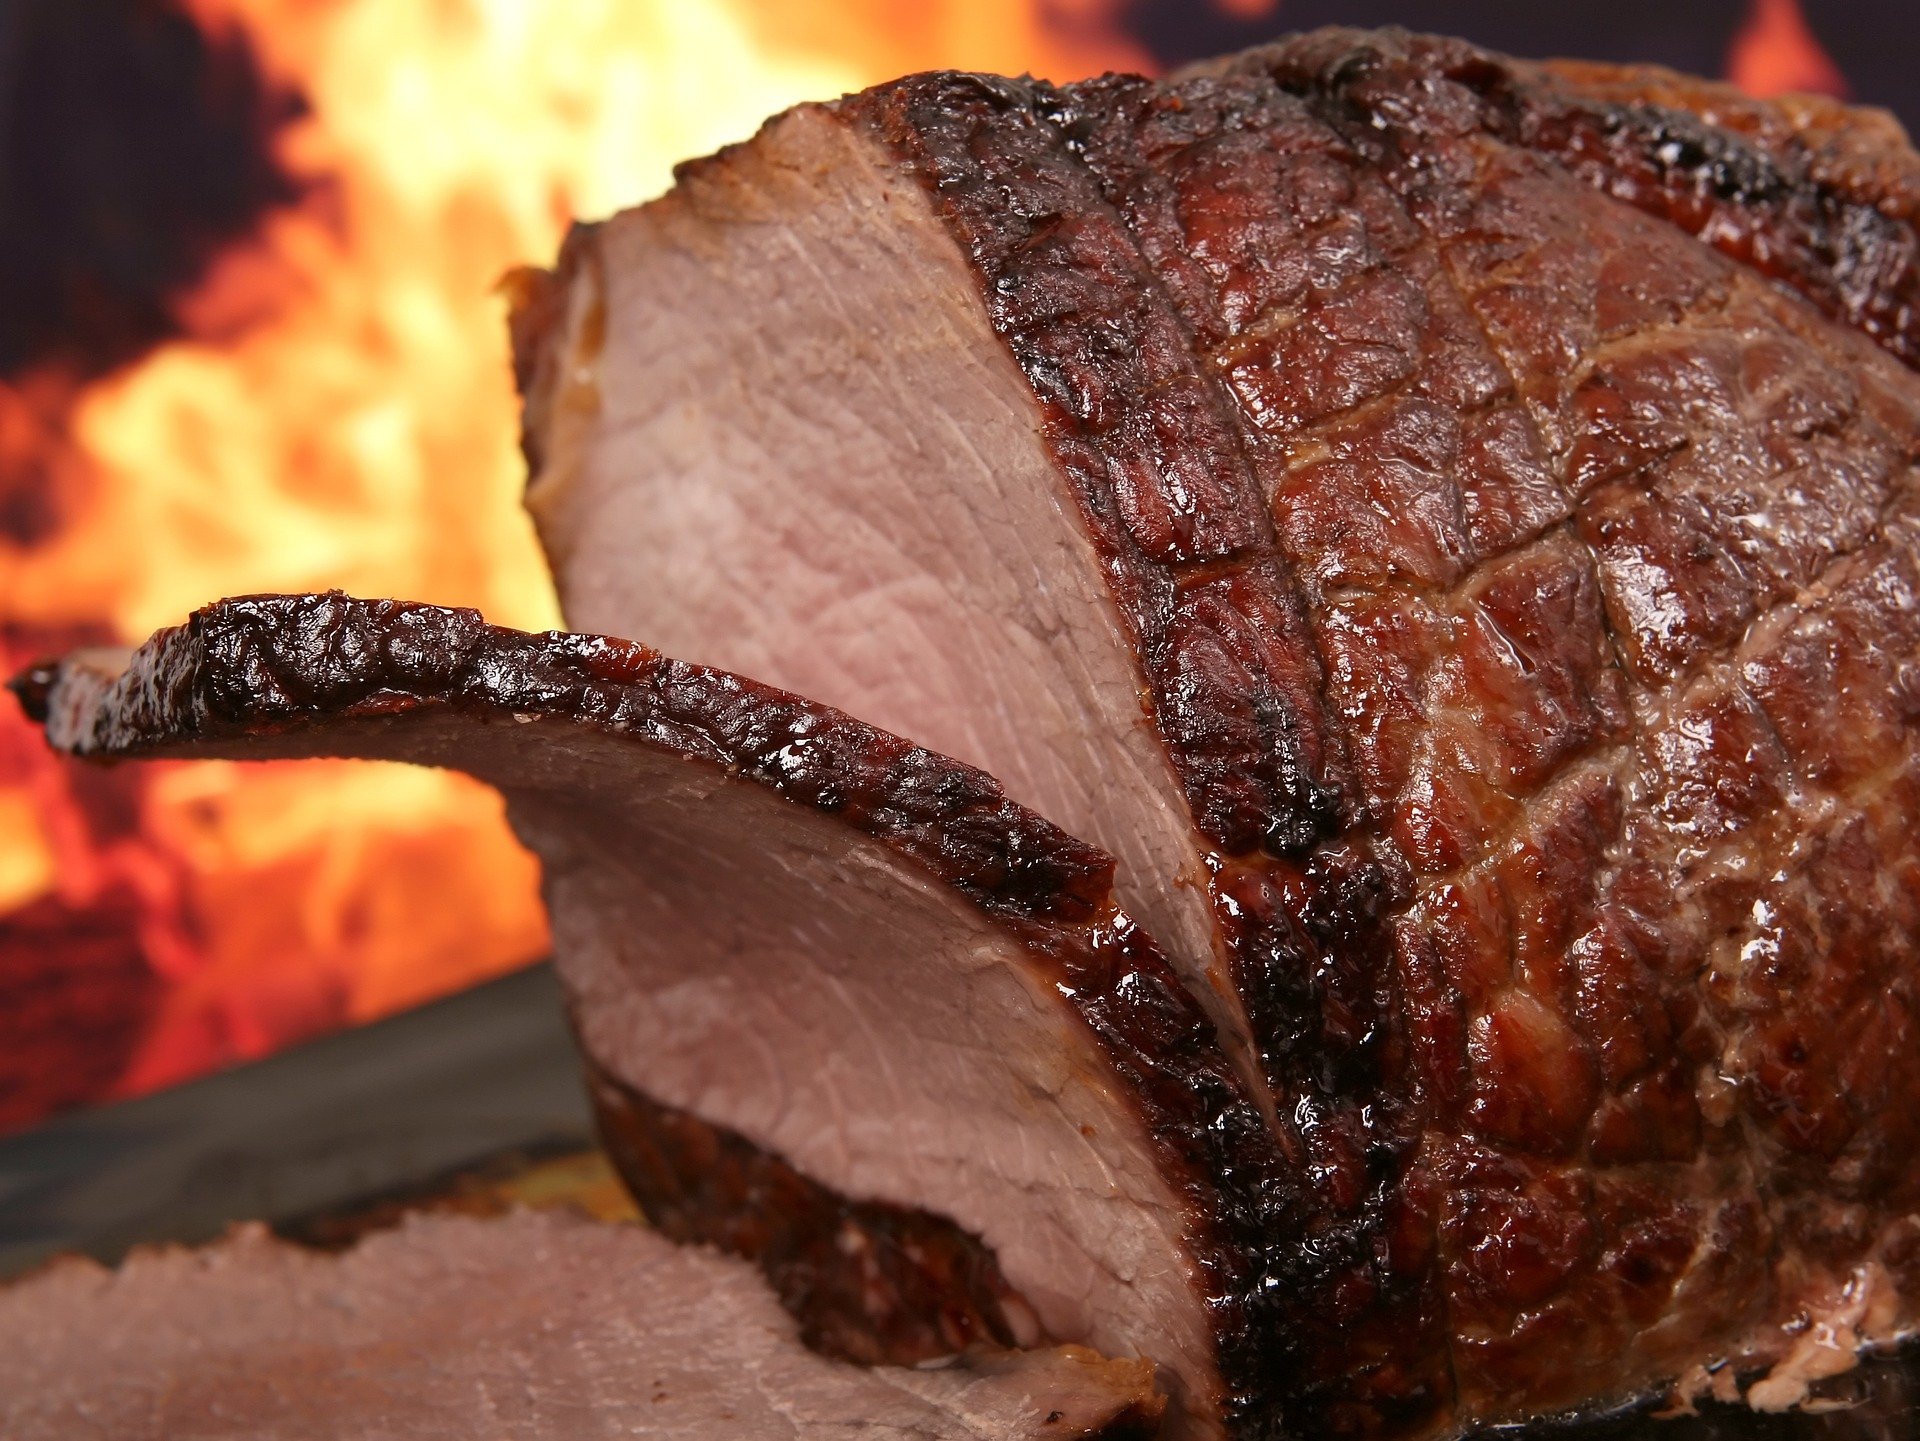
{"x": 884, "y": 1025}
{"x": 542, "y": 1327}
{"x": 1447, "y": 525}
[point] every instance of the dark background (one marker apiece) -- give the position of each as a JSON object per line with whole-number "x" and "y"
{"x": 1872, "y": 41}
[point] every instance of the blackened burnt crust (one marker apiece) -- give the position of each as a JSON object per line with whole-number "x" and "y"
{"x": 273, "y": 664}
{"x": 1139, "y": 427}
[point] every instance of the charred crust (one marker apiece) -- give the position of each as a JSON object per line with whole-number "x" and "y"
{"x": 32, "y": 687}
{"x": 1853, "y": 262}
{"x": 265, "y": 664}
{"x": 1769, "y": 203}
{"x": 1042, "y": 187}
{"x": 1064, "y": 202}
{"x": 869, "y": 1283}
{"x": 1439, "y": 121}
{"x": 1145, "y": 437}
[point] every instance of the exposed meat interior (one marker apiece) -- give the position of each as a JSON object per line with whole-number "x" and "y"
{"x": 849, "y": 953}
{"x": 542, "y": 1327}
{"x": 775, "y": 432}
{"x": 730, "y": 955}
{"x": 1504, "y": 478}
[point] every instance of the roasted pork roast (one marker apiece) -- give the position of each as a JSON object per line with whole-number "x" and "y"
{"x": 1449, "y": 518}
{"x": 530, "y": 1326}
{"x": 1443, "y": 525}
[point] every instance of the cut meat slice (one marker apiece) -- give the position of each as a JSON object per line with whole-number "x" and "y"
{"x": 813, "y": 940}
{"x": 1502, "y": 482}
{"x": 773, "y": 433}
{"x": 534, "y": 1327}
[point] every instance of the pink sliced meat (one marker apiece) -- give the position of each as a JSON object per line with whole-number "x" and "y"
{"x": 534, "y": 1327}
{"x": 848, "y": 1009}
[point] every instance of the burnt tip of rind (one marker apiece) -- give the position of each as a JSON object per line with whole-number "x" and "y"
{"x": 34, "y": 689}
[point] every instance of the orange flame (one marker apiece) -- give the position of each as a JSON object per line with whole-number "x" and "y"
{"x": 1776, "y": 53}
{"x": 340, "y": 414}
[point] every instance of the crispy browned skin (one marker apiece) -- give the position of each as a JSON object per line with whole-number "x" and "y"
{"x": 1526, "y": 591}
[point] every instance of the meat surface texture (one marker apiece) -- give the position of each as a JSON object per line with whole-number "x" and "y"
{"x": 817, "y": 971}
{"x": 1447, "y": 525}
{"x": 536, "y": 1327}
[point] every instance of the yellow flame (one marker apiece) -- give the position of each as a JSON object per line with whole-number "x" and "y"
{"x": 342, "y": 414}
{"x": 26, "y": 856}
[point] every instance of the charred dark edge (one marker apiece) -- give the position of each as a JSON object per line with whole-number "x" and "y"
{"x": 1309, "y": 943}
{"x": 1144, "y": 436}
{"x": 1768, "y": 210}
{"x": 259, "y": 667}
{"x": 1020, "y": 174}
{"x": 1861, "y": 152}
{"x": 1767, "y": 206}
{"x": 870, "y": 1283}
{"x": 268, "y": 664}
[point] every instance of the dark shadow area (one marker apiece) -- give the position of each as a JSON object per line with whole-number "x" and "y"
{"x": 1874, "y": 42}
{"x": 1874, "y": 1402}
{"x": 133, "y": 147}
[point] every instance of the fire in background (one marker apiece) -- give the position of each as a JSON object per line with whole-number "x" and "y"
{"x": 248, "y": 341}
{"x": 253, "y": 345}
